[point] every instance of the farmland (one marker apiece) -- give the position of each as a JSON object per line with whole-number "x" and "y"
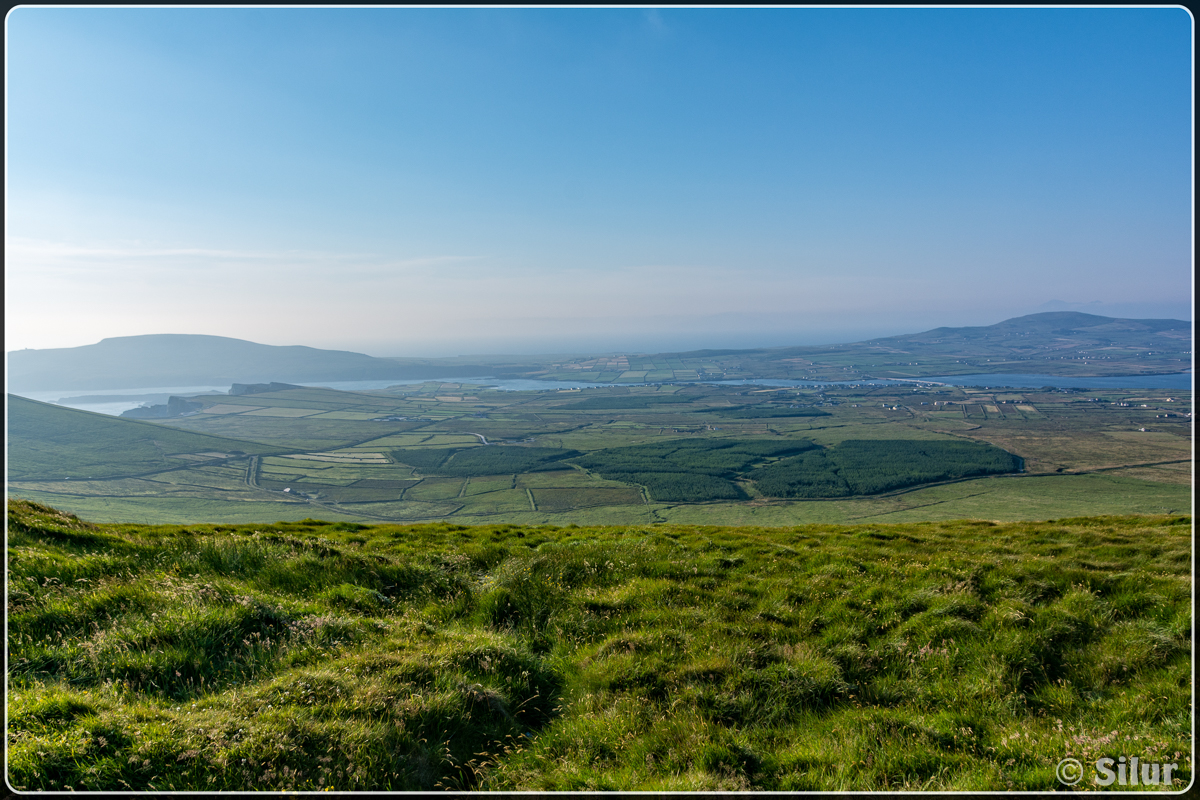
{"x": 448, "y": 586}
{"x": 638, "y": 455}
{"x": 314, "y": 655}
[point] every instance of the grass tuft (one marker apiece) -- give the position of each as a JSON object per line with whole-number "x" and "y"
{"x": 956, "y": 656}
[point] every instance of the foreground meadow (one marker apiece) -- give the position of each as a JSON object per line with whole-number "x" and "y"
{"x": 961, "y": 655}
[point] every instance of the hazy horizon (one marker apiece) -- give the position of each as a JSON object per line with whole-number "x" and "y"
{"x": 668, "y": 344}
{"x": 436, "y": 182}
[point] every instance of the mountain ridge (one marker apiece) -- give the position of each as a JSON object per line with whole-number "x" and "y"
{"x": 1051, "y": 340}
{"x": 1059, "y": 343}
{"x": 196, "y": 359}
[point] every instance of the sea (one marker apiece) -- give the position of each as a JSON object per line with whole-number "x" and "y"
{"x": 117, "y": 400}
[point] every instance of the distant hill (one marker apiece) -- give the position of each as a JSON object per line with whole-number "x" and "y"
{"x": 1050, "y": 343}
{"x": 189, "y": 360}
{"x": 1043, "y": 330}
{"x": 1052, "y": 324}
{"x": 50, "y": 442}
{"x": 1066, "y": 343}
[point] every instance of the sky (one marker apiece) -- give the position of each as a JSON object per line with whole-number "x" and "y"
{"x": 432, "y": 182}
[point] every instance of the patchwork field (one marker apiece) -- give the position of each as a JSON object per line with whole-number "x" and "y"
{"x": 728, "y": 454}
{"x": 550, "y": 499}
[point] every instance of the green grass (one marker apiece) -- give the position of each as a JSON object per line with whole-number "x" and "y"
{"x": 340, "y": 494}
{"x": 48, "y": 441}
{"x": 765, "y": 411}
{"x": 306, "y": 433}
{"x": 1002, "y": 498}
{"x": 626, "y": 402}
{"x": 566, "y": 499}
{"x": 424, "y": 459}
{"x": 657, "y": 451}
{"x": 502, "y": 460}
{"x": 956, "y": 656}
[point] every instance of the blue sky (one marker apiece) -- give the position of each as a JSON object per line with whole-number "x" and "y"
{"x": 443, "y": 181}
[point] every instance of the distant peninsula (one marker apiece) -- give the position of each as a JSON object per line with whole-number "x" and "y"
{"x": 194, "y": 360}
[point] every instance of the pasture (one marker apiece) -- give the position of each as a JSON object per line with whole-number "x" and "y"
{"x": 677, "y": 453}
{"x": 316, "y": 655}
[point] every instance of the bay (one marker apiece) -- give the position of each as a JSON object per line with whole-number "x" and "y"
{"x": 125, "y": 398}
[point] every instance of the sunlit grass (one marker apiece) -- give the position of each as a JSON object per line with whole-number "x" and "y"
{"x": 962, "y": 656}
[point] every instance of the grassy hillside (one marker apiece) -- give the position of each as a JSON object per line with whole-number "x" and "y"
{"x": 962, "y": 656}
{"x": 51, "y": 442}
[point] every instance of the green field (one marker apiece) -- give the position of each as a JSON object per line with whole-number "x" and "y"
{"x": 307, "y": 656}
{"x": 727, "y": 454}
{"x": 49, "y": 444}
